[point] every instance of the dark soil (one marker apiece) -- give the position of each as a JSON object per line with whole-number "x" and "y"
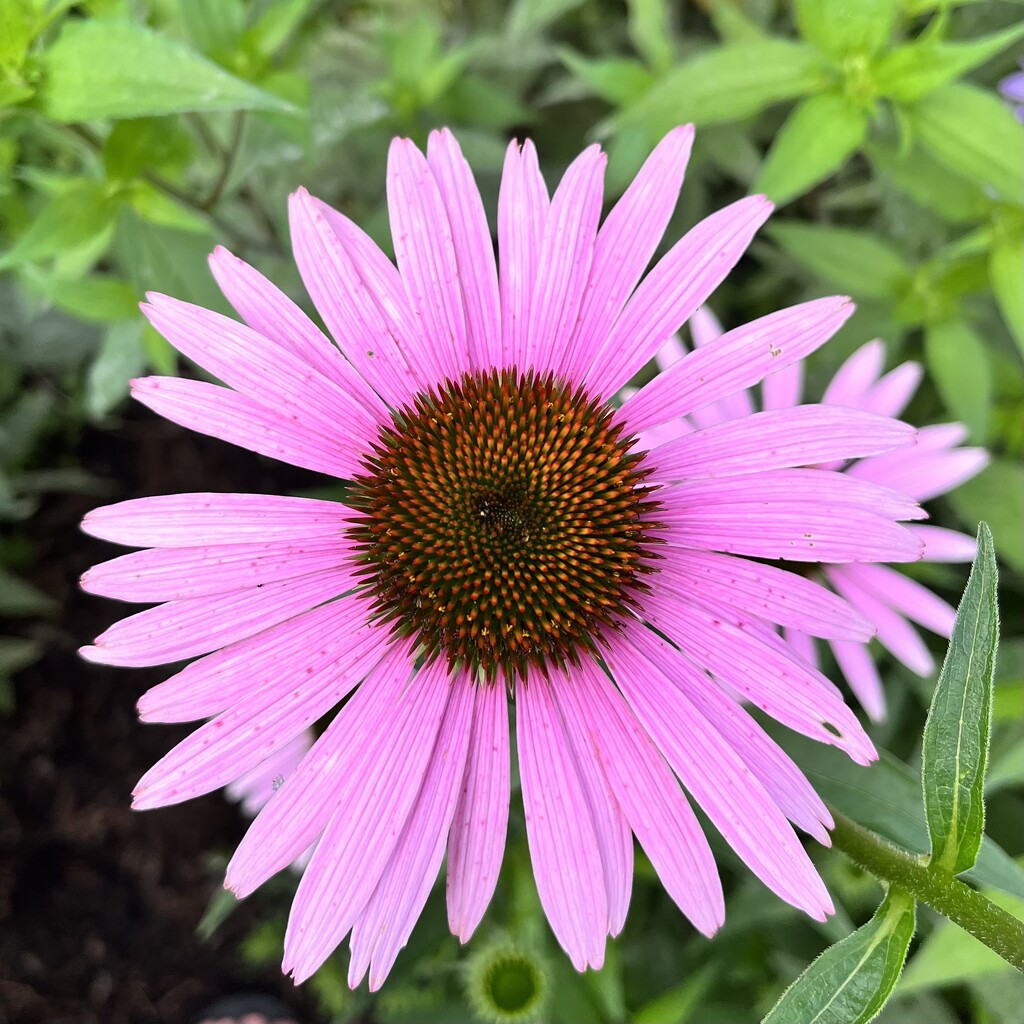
{"x": 99, "y": 904}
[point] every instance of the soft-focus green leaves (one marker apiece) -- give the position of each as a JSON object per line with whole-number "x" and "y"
{"x": 851, "y": 981}
{"x": 959, "y": 366}
{"x": 909, "y": 72}
{"x": 648, "y": 28}
{"x": 843, "y": 28}
{"x": 144, "y": 144}
{"x": 18, "y": 26}
{"x": 856, "y": 261}
{"x": 973, "y": 132}
{"x": 997, "y": 495}
{"x": 727, "y": 83}
{"x": 956, "y": 735}
{"x": 120, "y": 358}
{"x": 118, "y": 69}
{"x": 98, "y": 298}
{"x": 215, "y": 26}
{"x": 19, "y": 598}
{"x": 619, "y": 80}
{"x": 72, "y": 217}
{"x": 1006, "y": 268}
{"x": 681, "y": 1003}
{"x": 816, "y": 140}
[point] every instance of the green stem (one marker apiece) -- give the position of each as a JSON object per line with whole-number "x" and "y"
{"x": 940, "y": 890}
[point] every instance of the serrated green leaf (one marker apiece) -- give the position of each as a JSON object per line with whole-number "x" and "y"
{"x": 974, "y": 133}
{"x": 1006, "y": 270}
{"x": 909, "y": 72}
{"x": 958, "y": 363}
{"x": 959, "y": 725}
{"x": 618, "y": 80}
{"x": 120, "y": 358}
{"x": 844, "y": 28}
{"x": 117, "y": 69}
{"x": 851, "y": 981}
{"x": 727, "y": 83}
{"x": 819, "y": 135}
{"x": 71, "y": 218}
{"x": 856, "y": 261}
{"x": 996, "y": 495}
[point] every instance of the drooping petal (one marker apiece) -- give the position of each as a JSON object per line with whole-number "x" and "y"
{"x": 804, "y": 646}
{"x": 706, "y": 329}
{"x": 924, "y": 476}
{"x": 943, "y": 545}
{"x": 783, "y": 388}
{"x": 253, "y": 789}
{"x": 668, "y": 296}
{"x": 855, "y": 376}
{"x": 892, "y": 393}
{"x": 737, "y": 360}
{"x": 477, "y": 840}
{"x": 858, "y": 668}
{"x": 905, "y": 595}
{"x": 563, "y": 845}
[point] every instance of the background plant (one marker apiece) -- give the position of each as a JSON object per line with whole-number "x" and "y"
{"x": 135, "y": 135}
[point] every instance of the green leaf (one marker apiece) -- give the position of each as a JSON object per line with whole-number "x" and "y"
{"x": 678, "y": 1005}
{"x": 844, "y": 28}
{"x": 959, "y": 725}
{"x": 18, "y": 27}
{"x": 909, "y": 72}
{"x": 70, "y": 218}
{"x": 975, "y": 133}
{"x": 996, "y": 495}
{"x": 648, "y": 28}
{"x": 618, "y": 80}
{"x": 276, "y": 25}
{"x": 18, "y": 597}
{"x": 120, "y": 358}
{"x": 816, "y": 140}
{"x": 1006, "y": 269}
{"x": 16, "y": 654}
{"x": 727, "y": 83}
{"x": 851, "y": 981}
{"x": 856, "y": 261}
{"x": 215, "y": 26}
{"x": 144, "y": 144}
{"x": 113, "y": 68}
{"x": 97, "y": 298}
{"x": 958, "y": 362}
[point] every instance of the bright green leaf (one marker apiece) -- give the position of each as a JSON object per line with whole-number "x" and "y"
{"x": 732, "y": 23}
{"x": 534, "y": 15}
{"x": 851, "y": 981}
{"x": 959, "y": 725}
{"x": 113, "y": 68}
{"x": 277, "y": 24}
{"x": 649, "y": 29}
{"x": 618, "y": 80}
{"x": 727, "y": 83}
{"x": 13, "y": 92}
{"x": 856, "y": 261}
{"x": 975, "y": 133}
{"x": 215, "y": 26}
{"x": 18, "y": 26}
{"x": 909, "y": 72}
{"x": 844, "y": 28}
{"x": 98, "y": 297}
{"x": 958, "y": 363}
{"x": 1006, "y": 269}
{"x": 816, "y": 140}
{"x": 70, "y": 218}
{"x": 996, "y": 495}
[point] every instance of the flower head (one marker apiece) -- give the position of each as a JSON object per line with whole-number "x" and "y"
{"x": 888, "y": 599}
{"x": 503, "y": 537}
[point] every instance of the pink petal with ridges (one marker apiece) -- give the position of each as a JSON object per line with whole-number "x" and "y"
{"x": 766, "y": 676}
{"x": 781, "y": 439}
{"x": 227, "y": 415}
{"x": 474, "y": 250}
{"x": 175, "y": 574}
{"x": 566, "y": 254}
{"x": 563, "y": 844}
{"x": 184, "y": 629}
{"x": 187, "y": 520}
{"x": 942, "y": 545}
{"x": 386, "y": 922}
{"x": 358, "y": 293}
{"x": 522, "y": 211}
{"x": 892, "y": 393}
{"x": 377, "y": 785}
{"x": 269, "y": 312}
{"x": 255, "y": 788}
{"x": 804, "y": 646}
{"x": 924, "y": 476}
{"x": 853, "y": 379}
{"x": 775, "y": 770}
{"x": 614, "y": 836}
{"x": 425, "y": 254}
{"x": 476, "y": 844}
{"x": 784, "y": 388}
{"x": 905, "y": 595}
{"x": 251, "y": 730}
{"x": 771, "y": 593}
{"x": 673, "y": 290}
{"x": 237, "y": 672}
{"x": 649, "y": 796}
{"x": 858, "y": 668}
{"x": 706, "y": 329}
{"x": 625, "y": 245}
{"x": 738, "y": 359}
{"x": 721, "y": 783}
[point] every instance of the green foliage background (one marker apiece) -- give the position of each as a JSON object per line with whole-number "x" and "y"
{"x": 134, "y": 136}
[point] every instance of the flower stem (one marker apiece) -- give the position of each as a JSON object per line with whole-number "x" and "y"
{"x": 940, "y": 890}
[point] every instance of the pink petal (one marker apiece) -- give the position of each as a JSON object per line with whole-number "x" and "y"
{"x": 425, "y": 253}
{"x": 858, "y": 668}
{"x": 625, "y": 244}
{"x": 942, "y": 545}
{"x": 522, "y": 211}
{"x": 705, "y": 329}
{"x": 804, "y": 645}
{"x": 906, "y": 596}
{"x": 737, "y": 360}
{"x": 892, "y": 393}
{"x": 926, "y": 475}
{"x": 477, "y": 841}
{"x": 649, "y": 796}
{"x": 227, "y": 415}
{"x": 386, "y": 922}
{"x": 183, "y": 629}
{"x": 670, "y": 353}
{"x": 255, "y": 788}
{"x": 672, "y": 291}
{"x": 186, "y": 520}
{"x": 726, "y": 789}
{"x": 856, "y": 376}
{"x": 938, "y": 437}
{"x": 784, "y": 388}
{"x": 563, "y": 845}
{"x": 474, "y": 250}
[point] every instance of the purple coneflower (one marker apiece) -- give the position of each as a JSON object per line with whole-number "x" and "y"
{"x": 501, "y": 538}
{"x": 1012, "y": 89}
{"x": 935, "y": 465}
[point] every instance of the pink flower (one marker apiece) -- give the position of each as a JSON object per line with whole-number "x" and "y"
{"x": 500, "y": 538}
{"x": 935, "y": 465}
